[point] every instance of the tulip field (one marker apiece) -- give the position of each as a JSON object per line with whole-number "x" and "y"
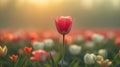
{"x": 83, "y": 48}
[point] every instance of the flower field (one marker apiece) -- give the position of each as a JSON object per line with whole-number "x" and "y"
{"x": 83, "y": 48}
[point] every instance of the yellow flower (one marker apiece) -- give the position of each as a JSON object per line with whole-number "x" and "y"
{"x": 3, "y": 51}
{"x": 102, "y": 62}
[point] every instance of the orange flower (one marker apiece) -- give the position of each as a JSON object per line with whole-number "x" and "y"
{"x": 39, "y": 55}
{"x": 14, "y": 57}
{"x": 117, "y": 41}
{"x": 27, "y": 50}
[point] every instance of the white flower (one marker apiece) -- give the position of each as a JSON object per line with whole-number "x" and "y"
{"x": 49, "y": 43}
{"x": 38, "y": 45}
{"x": 89, "y": 45}
{"x": 79, "y": 38}
{"x": 103, "y": 53}
{"x": 97, "y": 38}
{"x": 74, "y": 49}
{"x": 89, "y": 58}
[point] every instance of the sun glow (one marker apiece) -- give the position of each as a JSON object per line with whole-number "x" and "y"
{"x": 87, "y": 3}
{"x": 115, "y": 3}
{"x": 39, "y": 1}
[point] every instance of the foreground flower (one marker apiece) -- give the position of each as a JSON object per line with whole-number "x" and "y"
{"x": 75, "y": 49}
{"x": 27, "y": 50}
{"x": 39, "y": 55}
{"x": 38, "y": 45}
{"x": 102, "y": 62}
{"x": 14, "y": 57}
{"x": 103, "y": 53}
{"x": 49, "y": 43}
{"x": 89, "y": 58}
{"x": 3, "y": 51}
{"x": 63, "y": 24}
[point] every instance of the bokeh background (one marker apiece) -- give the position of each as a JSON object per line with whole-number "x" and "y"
{"x": 39, "y": 14}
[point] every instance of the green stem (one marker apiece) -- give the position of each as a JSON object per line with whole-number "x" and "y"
{"x": 115, "y": 58}
{"x": 63, "y": 52}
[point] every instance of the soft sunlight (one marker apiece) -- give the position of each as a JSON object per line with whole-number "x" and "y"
{"x": 115, "y": 3}
{"x": 87, "y": 3}
{"x": 39, "y": 1}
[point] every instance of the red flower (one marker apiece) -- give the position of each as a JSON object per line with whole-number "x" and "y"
{"x": 117, "y": 41}
{"x": 39, "y": 55}
{"x": 27, "y": 50}
{"x": 14, "y": 57}
{"x": 63, "y": 24}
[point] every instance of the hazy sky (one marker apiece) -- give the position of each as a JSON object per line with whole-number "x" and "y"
{"x": 41, "y": 13}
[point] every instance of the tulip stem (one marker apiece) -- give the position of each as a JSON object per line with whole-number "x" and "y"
{"x": 63, "y": 52}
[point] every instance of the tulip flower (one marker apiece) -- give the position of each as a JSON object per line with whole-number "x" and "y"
{"x": 38, "y": 45}
{"x": 99, "y": 58}
{"x": 103, "y": 53}
{"x": 49, "y": 43}
{"x": 63, "y": 25}
{"x": 3, "y": 51}
{"x": 74, "y": 49}
{"x": 39, "y": 55}
{"x": 104, "y": 63}
{"x": 117, "y": 41}
{"x": 14, "y": 57}
{"x": 27, "y": 50}
{"x": 89, "y": 58}
{"x": 97, "y": 38}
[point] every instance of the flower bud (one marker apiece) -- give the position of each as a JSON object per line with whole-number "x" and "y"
{"x": 63, "y": 24}
{"x": 103, "y": 53}
{"x": 75, "y": 49}
{"x": 89, "y": 58}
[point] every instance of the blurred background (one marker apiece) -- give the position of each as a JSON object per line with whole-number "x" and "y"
{"x": 39, "y": 14}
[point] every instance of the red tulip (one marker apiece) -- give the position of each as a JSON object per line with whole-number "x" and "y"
{"x": 39, "y": 55}
{"x": 27, "y": 50}
{"x": 63, "y": 24}
{"x": 14, "y": 57}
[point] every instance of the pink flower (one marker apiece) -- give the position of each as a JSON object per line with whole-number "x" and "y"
{"x": 63, "y": 24}
{"x": 39, "y": 55}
